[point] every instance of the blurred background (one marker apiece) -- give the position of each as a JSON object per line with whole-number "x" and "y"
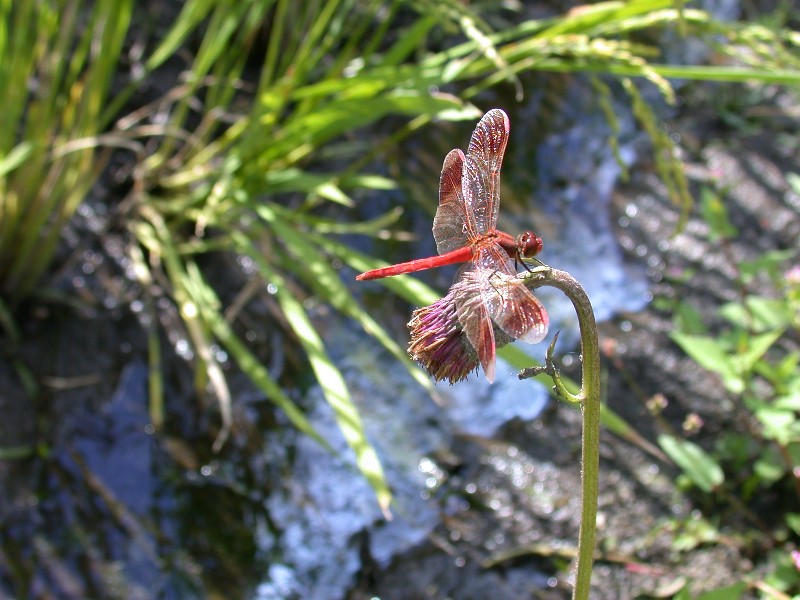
{"x": 198, "y": 399}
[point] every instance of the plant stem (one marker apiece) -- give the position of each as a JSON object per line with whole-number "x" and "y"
{"x": 589, "y": 397}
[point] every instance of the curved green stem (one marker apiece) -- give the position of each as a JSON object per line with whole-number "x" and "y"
{"x": 589, "y": 397}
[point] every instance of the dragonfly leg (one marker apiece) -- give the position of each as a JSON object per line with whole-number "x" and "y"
{"x": 550, "y": 369}
{"x": 518, "y": 260}
{"x": 496, "y": 274}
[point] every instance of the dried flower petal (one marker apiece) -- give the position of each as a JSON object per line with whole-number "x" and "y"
{"x": 438, "y": 341}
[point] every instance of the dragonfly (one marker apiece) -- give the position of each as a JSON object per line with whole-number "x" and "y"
{"x": 489, "y": 293}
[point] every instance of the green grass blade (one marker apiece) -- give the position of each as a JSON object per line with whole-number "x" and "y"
{"x": 327, "y": 284}
{"x": 378, "y": 227}
{"x": 192, "y": 15}
{"x": 202, "y": 302}
{"x": 411, "y": 39}
{"x": 191, "y": 295}
{"x": 18, "y": 155}
{"x": 335, "y": 390}
{"x": 155, "y": 378}
{"x": 254, "y": 370}
{"x": 327, "y": 374}
{"x": 405, "y": 286}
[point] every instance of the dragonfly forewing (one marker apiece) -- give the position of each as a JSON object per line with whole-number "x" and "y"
{"x": 487, "y": 147}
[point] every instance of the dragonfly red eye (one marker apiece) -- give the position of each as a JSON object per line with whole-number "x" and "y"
{"x": 529, "y": 244}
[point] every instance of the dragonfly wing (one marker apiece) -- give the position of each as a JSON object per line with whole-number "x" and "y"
{"x": 450, "y": 223}
{"x": 509, "y": 303}
{"x": 486, "y": 149}
{"x": 474, "y": 318}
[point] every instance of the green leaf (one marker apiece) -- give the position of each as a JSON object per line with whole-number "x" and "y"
{"x": 779, "y": 425}
{"x": 710, "y": 353}
{"x": 688, "y": 320}
{"x": 788, "y": 402}
{"x": 608, "y": 14}
{"x": 338, "y": 396}
{"x": 614, "y": 423}
{"x": 769, "y": 313}
{"x": 694, "y": 531}
{"x": 793, "y": 521}
{"x": 793, "y": 179}
{"x": 786, "y": 370}
{"x": 327, "y": 282}
{"x": 610, "y": 420}
{"x": 769, "y": 262}
{"x": 695, "y": 462}
{"x": 295, "y": 180}
{"x": 192, "y": 14}
{"x": 769, "y": 467}
{"x": 731, "y": 592}
{"x": 344, "y": 116}
{"x": 375, "y": 227}
{"x": 716, "y": 215}
{"x": 411, "y": 39}
{"x": 17, "y": 452}
{"x": 756, "y": 348}
{"x": 405, "y": 286}
{"x": 758, "y": 314}
{"x": 208, "y": 304}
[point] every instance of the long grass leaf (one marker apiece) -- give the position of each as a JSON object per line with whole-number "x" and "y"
{"x": 193, "y": 12}
{"x": 327, "y": 285}
{"x": 301, "y": 135}
{"x": 328, "y": 376}
{"x": 378, "y": 227}
{"x": 191, "y": 295}
{"x": 254, "y": 370}
{"x": 335, "y": 390}
{"x": 603, "y": 16}
{"x": 205, "y": 305}
{"x": 699, "y": 466}
{"x": 18, "y": 155}
{"x": 405, "y": 286}
{"x": 668, "y": 165}
{"x": 411, "y": 39}
{"x": 155, "y": 378}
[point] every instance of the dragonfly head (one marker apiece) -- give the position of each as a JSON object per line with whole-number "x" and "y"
{"x": 529, "y": 245}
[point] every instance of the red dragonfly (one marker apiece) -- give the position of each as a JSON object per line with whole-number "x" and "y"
{"x": 465, "y": 232}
